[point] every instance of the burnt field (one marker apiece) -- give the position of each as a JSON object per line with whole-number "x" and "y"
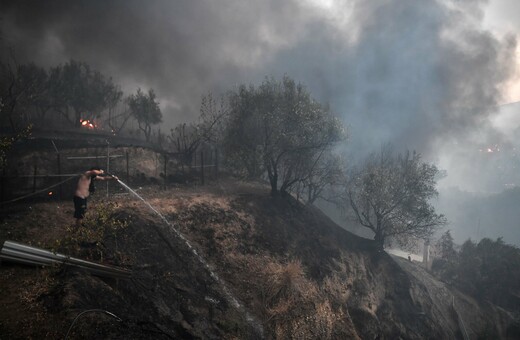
{"x": 291, "y": 269}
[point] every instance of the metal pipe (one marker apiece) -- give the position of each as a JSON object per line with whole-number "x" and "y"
{"x": 35, "y": 260}
{"x": 24, "y": 258}
{"x": 4, "y": 257}
{"x": 20, "y": 249}
{"x": 17, "y": 252}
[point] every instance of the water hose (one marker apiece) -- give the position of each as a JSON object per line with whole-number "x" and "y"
{"x": 91, "y": 311}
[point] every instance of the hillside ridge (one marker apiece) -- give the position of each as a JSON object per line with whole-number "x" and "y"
{"x": 289, "y": 265}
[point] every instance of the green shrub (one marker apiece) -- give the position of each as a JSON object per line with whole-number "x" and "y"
{"x": 97, "y": 238}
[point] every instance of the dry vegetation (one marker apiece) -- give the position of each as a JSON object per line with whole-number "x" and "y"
{"x": 292, "y": 268}
{"x": 294, "y": 306}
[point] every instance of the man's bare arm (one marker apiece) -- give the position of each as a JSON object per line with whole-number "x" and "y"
{"x": 94, "y": 172}
{"x": 106, "y": 178}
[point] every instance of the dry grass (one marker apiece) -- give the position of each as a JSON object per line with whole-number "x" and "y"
{"x": 292, "y": 305}
{"x": 337, "y": 288}
{"x": 279, "y": 291}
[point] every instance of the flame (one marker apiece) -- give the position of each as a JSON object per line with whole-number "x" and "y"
{"x": 87, "y": 123}
{"x": 50, "y": 193}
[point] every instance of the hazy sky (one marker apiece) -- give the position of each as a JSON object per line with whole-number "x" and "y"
{"x": 502, "y": 17}
{"x": 424, "y": 75}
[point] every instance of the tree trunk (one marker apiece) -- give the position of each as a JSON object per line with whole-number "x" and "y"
{"x": 147, "y": 132}
{"x": 273, "y": 179}
{"x": 379, "y": 238}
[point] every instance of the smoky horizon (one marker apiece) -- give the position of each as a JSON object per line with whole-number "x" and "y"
{"x": 425, "y": 76}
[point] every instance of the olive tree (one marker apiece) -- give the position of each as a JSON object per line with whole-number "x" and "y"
{"x": 145, "y": 109}
{"x": 75, "y": 85}
{"x": 390, "y": 195}
{"x": 22, "y": 86}
{"x": 278, "y": 129}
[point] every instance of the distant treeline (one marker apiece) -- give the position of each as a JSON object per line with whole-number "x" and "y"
{"x": 488, "y": 270}
{"x": 71, "y": 95}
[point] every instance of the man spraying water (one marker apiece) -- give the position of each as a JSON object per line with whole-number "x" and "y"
{"x": 84, "y": 188}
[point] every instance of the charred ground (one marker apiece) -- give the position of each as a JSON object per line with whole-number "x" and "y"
{"x": 292, "y": 268}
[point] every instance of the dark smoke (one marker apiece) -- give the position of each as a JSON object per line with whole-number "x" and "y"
{"x": 180, "y": 48}
{"x": 407, "y": 71}
{"x": 422, "y": 75}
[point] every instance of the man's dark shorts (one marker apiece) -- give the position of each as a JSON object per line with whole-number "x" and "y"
{"x": 80, "y": 207}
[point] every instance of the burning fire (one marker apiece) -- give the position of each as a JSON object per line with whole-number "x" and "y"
{"x": 87, "y": 123}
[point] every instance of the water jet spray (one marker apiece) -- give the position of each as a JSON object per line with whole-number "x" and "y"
{"x": 227, "y": 293}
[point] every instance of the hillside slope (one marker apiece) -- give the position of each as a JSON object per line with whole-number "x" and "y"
{"x": 295, "y": 273}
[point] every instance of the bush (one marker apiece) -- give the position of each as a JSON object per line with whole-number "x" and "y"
{"x": 97, "y": 238}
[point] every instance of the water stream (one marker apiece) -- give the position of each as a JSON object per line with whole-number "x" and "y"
{"x": 229, "y": 296}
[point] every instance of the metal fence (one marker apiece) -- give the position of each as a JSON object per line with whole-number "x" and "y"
{"x": 52, "y": 173}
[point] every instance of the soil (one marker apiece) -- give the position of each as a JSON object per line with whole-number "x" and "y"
{"x": 293, "y": 271}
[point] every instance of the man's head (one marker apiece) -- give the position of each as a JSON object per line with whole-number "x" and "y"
{"x": 95, "y": 171}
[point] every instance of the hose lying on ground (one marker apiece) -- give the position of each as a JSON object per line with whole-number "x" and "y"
{"x": 91, "y": 311}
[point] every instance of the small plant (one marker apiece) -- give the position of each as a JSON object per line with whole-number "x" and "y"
{"x": 91, "y": 240}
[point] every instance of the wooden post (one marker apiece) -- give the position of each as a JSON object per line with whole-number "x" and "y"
{"x": 127, "y": 169}
{"x": 60, "y": 193}
{"x": 35, "y": 174}
{"x": 202, "y": 166}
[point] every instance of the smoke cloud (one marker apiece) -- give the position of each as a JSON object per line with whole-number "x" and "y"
{"x": 422, "y": 75}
